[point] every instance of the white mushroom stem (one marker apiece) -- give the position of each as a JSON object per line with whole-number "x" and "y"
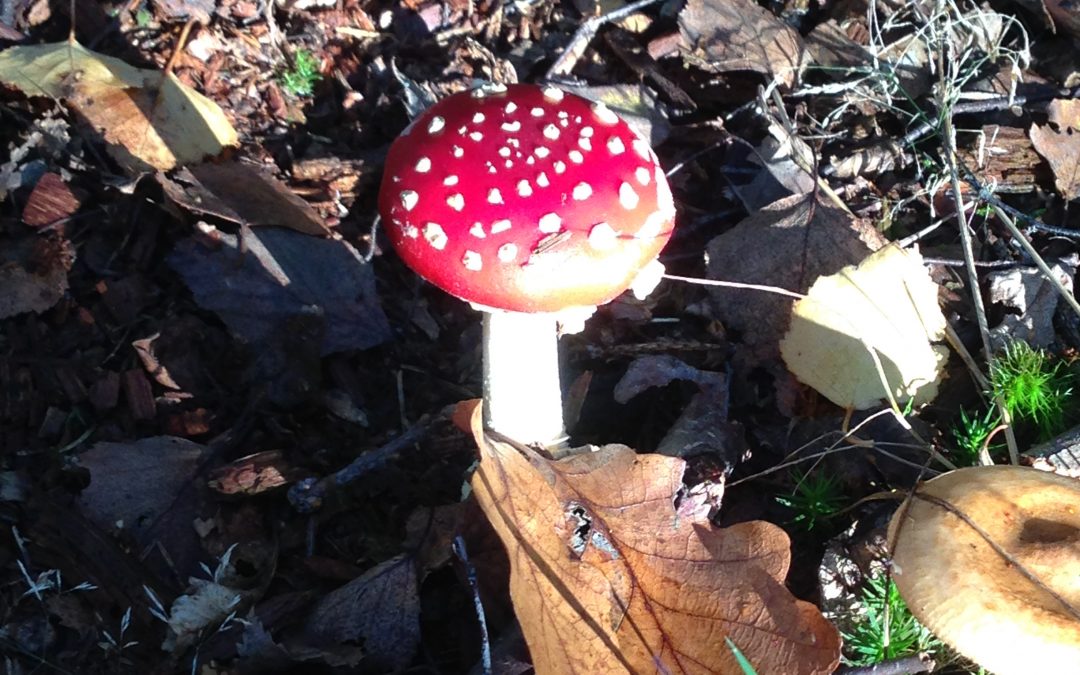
{"x": 522, "y": 395}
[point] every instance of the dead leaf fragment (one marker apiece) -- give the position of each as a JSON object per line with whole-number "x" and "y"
{"x": 607, "y": 578}
{"x": 243, "y": 194}
{"x": 33, "y": 273}
{"x": 1059, "y": 143}
{"x": 727, "y": 35}
{"x": 150, "y": 120}
{"x": 889, "y": 304}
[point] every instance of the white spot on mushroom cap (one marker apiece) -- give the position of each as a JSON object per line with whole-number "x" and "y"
{"x": 450, "y": 180}
{"x": 507, "y": 252}
{"x": 627, "y": 197}
{"x": 477, "y": 230}
{"x": 500, "y": 226}
{"x": 456, "y": 201}
{"x": 434, "y": 235}
{"x": 615, "y": 146}
{"x": 642, "y": 175}
{"x": 560, "y": 167}
{"x": 524, "y": 189}
{"x": 582, "y": 191}
{"x": 642, "y": 149}
{"x": 537, "y": 112}
{"x": 478, "y": 118}
{"x": 508, "y": 164}
{"x": 602, "y": 237}
{"x": 409, "y": 199}
{"x": 587, "y": 132}
{"x": 472, "y": 261}
{"x": 504, "y": 151}
{"x": 551, "y": 132}
{"x": 458, "y": 151}
{"x": 423, "y": 165}
{"x": 510, "y": 108}
{"x": 553, "y": 94}
{"x": 410, "y": 231}
{"x": 550, "y": 223}
{"x": 576, "y": 157}
{"x": 604, "y": 114}
{"x": 476, "y": 136}
{"x": 436, "y": 125}
{"x": 542, "y": 151}
{"x": 542, "y": 179}
{"x": 511, "y": 127}
{"x": 494, "y": 196}
{"x": 585, "y": 144}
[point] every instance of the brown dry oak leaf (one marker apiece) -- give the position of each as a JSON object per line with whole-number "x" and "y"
{"x": 607, "y": 578}
{"x": 725, "y": 35}
{"x": 1059, "y": 143}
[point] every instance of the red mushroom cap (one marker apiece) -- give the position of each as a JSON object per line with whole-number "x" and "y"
{"x": 525, "y": 198}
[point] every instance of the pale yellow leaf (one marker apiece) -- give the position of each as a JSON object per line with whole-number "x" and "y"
{"x": 151, "y": 121}
{"x": 887, "y": 304}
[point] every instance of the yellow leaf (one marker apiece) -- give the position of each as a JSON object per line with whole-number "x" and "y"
{"x": 888, "y": 303}
{"x": 150, "y": 121}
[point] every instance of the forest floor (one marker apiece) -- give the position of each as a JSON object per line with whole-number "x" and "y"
{"x": 175, "y": 419}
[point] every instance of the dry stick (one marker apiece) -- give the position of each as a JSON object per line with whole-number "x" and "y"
{"x": 949, "y": 142}
{"x": 584, "y": 35}
{"x": 916, "y": 663}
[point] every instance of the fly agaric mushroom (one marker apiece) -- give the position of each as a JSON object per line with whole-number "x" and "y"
{"x": 975, "y": 598}
{"x": 535, "y": 205}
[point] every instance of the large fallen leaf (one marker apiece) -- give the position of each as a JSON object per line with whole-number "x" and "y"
{"x": 1059, "y": 143}
{"x": 788, "y": 244}
{"x": 726, "y": 35}
{"x": 888, "y": 304}
{"x": 146, "y": 488}
{"x": 150, "y": 120}
{"x": 280, "y": 277}
{"x": 607, "y": 578}
{"x": 374, "y": 618}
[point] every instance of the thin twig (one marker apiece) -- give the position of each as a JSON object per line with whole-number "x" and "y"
{"x": 474, "y": 585}
{"x": 308, "y": 495}
{"x": 948, "y": 138}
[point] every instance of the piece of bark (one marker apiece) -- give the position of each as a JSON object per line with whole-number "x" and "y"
{"x": 139, "y": 394}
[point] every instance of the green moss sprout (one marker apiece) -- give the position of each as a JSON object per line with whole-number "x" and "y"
{"x": 1032, "y": 387}
{"x": 301, "y": 78}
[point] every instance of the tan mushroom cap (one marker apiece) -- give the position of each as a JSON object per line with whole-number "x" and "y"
{"x": 960, "y": 588}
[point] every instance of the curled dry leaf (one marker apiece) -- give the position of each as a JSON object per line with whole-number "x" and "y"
{"x": 1059, "y": 143}
{"x": 607, "y": 578}
{"x": 726, "y": 35}
{"x": 149, "y": 119}
{"x": 889, "y": 304}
